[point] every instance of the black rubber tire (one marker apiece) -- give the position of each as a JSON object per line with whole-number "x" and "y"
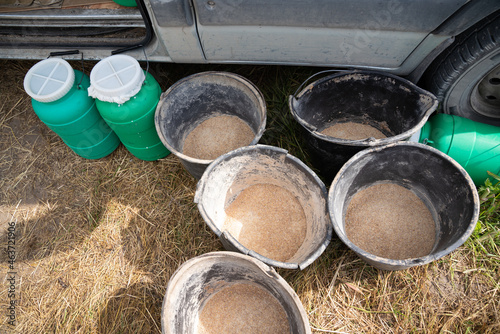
{"x": 466, "y": 77}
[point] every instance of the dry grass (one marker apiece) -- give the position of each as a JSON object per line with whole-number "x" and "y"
{"x": 97, "y": 241}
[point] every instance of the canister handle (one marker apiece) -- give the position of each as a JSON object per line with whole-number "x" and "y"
{"x": 64, "y": 53}
{"x": 70, "y": 52}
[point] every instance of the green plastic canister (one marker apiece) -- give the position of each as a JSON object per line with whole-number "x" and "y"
{"x": 474, "y": 145}
{"x": 126, "y": 3}
{"x": 126, "y": 98}
{"x": 60, "y": 99}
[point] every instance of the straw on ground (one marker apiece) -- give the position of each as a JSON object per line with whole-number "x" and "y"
{"x": 97, "y": 241}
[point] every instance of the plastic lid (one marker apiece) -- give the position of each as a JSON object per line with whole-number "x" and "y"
{"x": 49, "y": 80}
{"x": 116, "y": 79}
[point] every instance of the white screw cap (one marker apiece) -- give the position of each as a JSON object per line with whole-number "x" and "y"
{"x": 116, "y": 79}
{"x": 49, "y": 80}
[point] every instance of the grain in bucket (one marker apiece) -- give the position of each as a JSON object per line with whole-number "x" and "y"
{"x": 402, "y": 205}
{"x": 208, "y": 114}
{"x": 228, "y": 292}
{"x": 261, "y": 201}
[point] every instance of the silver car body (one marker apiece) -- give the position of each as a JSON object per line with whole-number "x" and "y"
{"x": 398, "y": 36}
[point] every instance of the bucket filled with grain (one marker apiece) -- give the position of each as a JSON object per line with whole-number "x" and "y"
{"x": 229, "y": 293}
{"x": 346, "y": 112}
{"x": 208, "y": 114}
{"x": 402, "y": 205}
{"x": 261, "y": 201}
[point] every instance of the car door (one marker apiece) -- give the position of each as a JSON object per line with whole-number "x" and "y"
{"x": 371, "y": 33}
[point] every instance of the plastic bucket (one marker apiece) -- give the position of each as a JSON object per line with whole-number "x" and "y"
{"x": 394, "y": 106}
{"x": 474, "y": 145}
{"x": 439, "y": 181}
{"x": 60, "y": 99}
{"x": 202, "y": 277}
{"x": 126, "y": 98}
{"x": 198, "y": 97}
{"x": 234, "y": 172}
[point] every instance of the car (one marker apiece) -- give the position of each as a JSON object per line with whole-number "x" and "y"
{"x": 450, "y": 47}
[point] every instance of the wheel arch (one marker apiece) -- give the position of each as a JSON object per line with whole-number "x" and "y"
{"x": 457, "y": 74}
{"x": 471, "y": 16}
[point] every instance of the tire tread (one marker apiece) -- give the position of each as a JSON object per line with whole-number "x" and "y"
{"x": 467, "y": 48}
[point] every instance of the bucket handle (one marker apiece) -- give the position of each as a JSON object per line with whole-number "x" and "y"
{"x": 315, "y": 75}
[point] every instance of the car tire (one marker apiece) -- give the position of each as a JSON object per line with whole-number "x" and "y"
{"x": 466, "y": 78}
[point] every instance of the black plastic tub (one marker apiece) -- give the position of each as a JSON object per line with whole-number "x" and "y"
{"x": 438, "y": 180}
{"x": 392, "y": 105}
{"x": 198, "y": 97}
{"x": 233, "y": 172}
{"x": 200, "y": 278}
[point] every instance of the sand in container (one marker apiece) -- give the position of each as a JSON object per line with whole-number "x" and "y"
{"x": 353, "y": 131}
{"x": 200, "y": 97}
{"x": 242, "y": 309}
{"x": 267, "y": 219}
{"x": 216, "y": 136}
{"x": 261, "y": 201}
{"x": 229, "y": 292}
{"x": 390, "y": 221}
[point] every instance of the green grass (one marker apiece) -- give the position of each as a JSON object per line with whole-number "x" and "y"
{"x": 485, "y": 241}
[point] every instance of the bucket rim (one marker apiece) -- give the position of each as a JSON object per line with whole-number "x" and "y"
{"x": 405, "y": 263}
{"x": 202, "y": 183}
{"x": 247, "y": 83}
{"x": 368, "y": 142}
{"x": 266, "y": 270}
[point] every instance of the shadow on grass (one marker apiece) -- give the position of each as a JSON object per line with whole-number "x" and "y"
{"x": 132, "y": 309}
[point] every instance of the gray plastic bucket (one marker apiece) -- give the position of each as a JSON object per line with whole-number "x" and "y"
{"x": 198, "y": 279}
{"x": 198, "y": 97}
{"x": 438, "y": 180}
{"x": 395, "y": 106}
{"x": 233, "y": 172}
